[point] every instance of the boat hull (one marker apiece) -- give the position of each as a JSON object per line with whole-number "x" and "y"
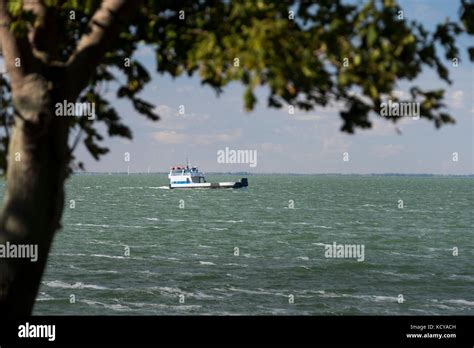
{"x": 212, "y": 185}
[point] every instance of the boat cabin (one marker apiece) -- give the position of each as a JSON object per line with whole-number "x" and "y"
{"x": 185, "y": 175}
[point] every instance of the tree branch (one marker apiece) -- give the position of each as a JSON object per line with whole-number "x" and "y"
{"x": 13, "y": 48}
{"x": 104, "y": 27}
{"x": 44, "y": 35}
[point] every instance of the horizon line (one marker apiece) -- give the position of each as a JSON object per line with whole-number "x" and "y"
{"x": 281, "y": 173}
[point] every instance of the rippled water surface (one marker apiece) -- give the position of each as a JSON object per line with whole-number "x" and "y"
{"x": 281, "y": 251}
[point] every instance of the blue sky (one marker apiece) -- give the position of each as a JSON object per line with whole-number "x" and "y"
{"x": 306, "y": 142}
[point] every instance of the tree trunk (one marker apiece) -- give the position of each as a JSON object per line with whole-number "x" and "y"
{"x": 34, "y": 193}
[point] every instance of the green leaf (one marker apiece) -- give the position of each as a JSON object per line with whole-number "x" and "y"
{"x": 249, "y": 100}
{"x": 357, "y": 59}
{"x": 371, "y": 35}
{"x": 14, "y": 7}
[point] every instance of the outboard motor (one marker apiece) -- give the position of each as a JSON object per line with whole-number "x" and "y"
{"x": 244, "y": 182}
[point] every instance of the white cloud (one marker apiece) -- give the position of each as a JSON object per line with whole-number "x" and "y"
{"x": 207, "y": 139}
{"x": 163, "y": 110}
{"x": 174, "y": 137}
{"x": 335, "y": 143}
{"x": 457, "y": 99}
{"x": 399, "y": 94}
{"x": 170, "y": 118}
{"x": 169, "y": 137}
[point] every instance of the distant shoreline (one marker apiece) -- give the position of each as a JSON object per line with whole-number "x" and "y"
{"x": 288, "y": 174}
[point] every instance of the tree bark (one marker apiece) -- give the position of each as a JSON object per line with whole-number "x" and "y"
{"x": 39, "y": 156}
{"x": 34, "y": 195}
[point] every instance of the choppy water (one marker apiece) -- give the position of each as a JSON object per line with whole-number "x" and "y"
{"x": 191, "y": 251}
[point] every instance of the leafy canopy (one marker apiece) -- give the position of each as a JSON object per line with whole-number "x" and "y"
{"x": 308, "y": 54}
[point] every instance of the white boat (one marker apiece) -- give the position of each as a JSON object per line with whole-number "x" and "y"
{"x": 191, "y": 177}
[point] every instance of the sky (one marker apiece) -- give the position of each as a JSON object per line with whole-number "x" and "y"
{"x": 305, "y": 142}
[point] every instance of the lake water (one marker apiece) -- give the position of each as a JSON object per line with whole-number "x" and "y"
{"x": 261, "y": 250}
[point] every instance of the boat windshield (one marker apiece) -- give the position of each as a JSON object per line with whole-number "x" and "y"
{"x": 184, "y": 171}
